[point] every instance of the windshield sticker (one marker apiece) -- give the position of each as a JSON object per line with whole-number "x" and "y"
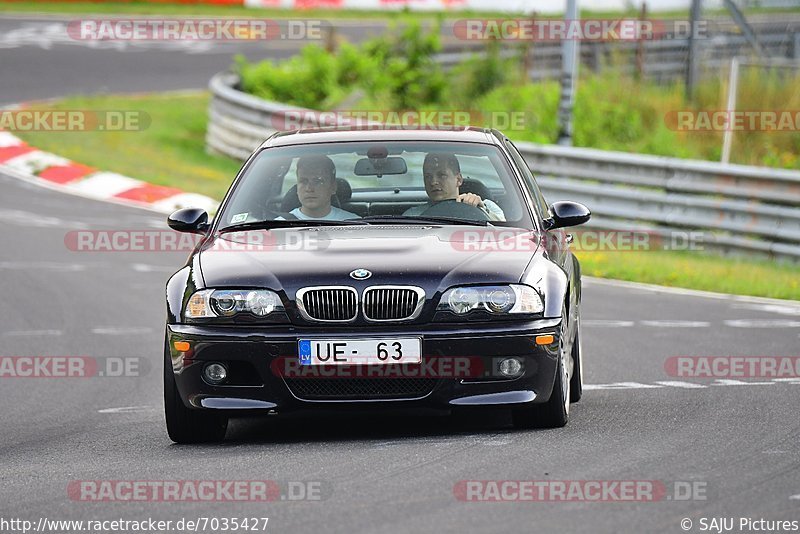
{"x": 239, "y": 217}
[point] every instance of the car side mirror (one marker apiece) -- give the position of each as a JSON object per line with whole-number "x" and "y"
{"x": 567, "y": 213}
{"x": 191, "y": 220}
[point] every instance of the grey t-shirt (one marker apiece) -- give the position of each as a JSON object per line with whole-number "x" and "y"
{"x": 336, "y": 214}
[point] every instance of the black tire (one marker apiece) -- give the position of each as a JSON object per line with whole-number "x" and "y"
{"x": 576, "y": 381}
{"x": 555, "y": 412}
{"x": 185, "y": 425}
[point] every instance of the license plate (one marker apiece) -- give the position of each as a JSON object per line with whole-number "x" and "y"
{"x": 359, "y": 351}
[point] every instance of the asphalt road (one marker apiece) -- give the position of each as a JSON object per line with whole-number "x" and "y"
{"x": 40, "y": 60}
{"x": 737, "y": 442}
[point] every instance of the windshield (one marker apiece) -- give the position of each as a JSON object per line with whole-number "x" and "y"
{"x": 377, "y": 182}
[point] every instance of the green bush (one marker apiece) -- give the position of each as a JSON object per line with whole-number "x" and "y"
{"x": 406, "y": 70}
{"x": 399, "y": 69}
{"x": 480, "y": 74}
{"x": 308, "y": 80}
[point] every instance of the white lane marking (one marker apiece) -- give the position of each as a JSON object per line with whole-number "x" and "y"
{"x": 676, "y": 324}
{"x": 33, "y": 333}
{"x": 688, "y": 385}
{"x": 762, "y": 323}
{"x": 144, "y": 268}
{"x": 769, "y": 308}
{"x": 606, "y": 323}
{"x": 120, "y": 330}
{"x": 441, "y": 442}
{"x": 679, "y": 384}
{"x": 28, "y": 219}
{"x": 45, "y": 265}
{"x": 590, "y": 280}
{"x": 795, "y": 497}
{"x": 127, "y": 409}
{"x": 621, "y": 385}
{"x": 729, "y": 382}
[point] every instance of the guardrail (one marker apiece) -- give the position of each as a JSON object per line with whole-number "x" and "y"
{"x": 736, "y": 207}
{"x": 661, "y": 60}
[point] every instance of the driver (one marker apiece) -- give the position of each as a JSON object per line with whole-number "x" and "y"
{"x": 442, "y": 175}
{"x": 316, "y": 184}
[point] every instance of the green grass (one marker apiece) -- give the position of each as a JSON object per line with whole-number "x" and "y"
{"x": 171, "y": 152}
{"x": 695, "y": 270}
{"x": 136, "y": 8}
{"x": 614, "y": 112}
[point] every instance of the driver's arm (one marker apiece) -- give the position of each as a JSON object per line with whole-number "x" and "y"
{"x": 492, "y": 210}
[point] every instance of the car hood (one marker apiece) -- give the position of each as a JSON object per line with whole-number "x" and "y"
{"x": 431, "y": 257}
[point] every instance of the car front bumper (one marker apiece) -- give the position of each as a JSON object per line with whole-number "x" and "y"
{"x": 255, "y": 355}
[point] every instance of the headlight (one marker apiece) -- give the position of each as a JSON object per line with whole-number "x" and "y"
{"x": 514, "y": 298}
{"x": 233, "y": 302}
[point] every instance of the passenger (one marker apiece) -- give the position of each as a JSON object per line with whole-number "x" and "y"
{"x": 442, "y": 174}
{"x": 316, "y": 184}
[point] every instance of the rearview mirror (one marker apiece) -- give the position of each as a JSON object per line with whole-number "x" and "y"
{"x": 380, "y": 166}
{"x": 567, "y": 213}
{"x": 191, "y": 220}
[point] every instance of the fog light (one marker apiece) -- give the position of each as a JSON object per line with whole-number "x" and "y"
{"x": 215, "y": 373}
{"x": 510, "y": 367}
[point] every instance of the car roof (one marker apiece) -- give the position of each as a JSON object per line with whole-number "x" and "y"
{"x": 467, "y": 134}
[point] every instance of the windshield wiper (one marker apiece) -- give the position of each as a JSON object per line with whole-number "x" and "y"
{"x": 423, "y": 220}
{"x": 267, "y": 225}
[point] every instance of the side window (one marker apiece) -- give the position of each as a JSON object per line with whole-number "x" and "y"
{"x": 542, "y": 205}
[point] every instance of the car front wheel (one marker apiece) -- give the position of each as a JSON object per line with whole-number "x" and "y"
{"x": 576, "y": 382}
{"x": 185, "y": 425}
{"x": 555, "y": 412}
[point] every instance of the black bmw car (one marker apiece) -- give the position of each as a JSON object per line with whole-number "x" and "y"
{"x": 375, "y": 269}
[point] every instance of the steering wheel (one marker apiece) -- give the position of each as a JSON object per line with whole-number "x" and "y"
{"x": 457, "y": 210}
